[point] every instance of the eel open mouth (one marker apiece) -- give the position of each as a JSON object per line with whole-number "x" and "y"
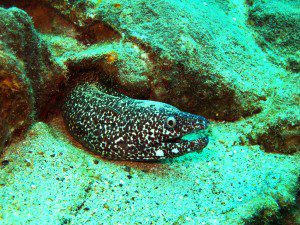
{"x": 190, "y": 137}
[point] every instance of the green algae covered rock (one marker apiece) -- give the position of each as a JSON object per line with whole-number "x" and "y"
{"x": 202, "y": 58}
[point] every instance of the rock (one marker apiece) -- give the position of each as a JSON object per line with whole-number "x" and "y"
{"x": 122, "y": 65}
{"x": 29, "y": 77}
{"x": 15, "y": 90}
{"x": 278, "y": 132}
{"x": 281, "y": 138}
{"x": 4, "y": 135}
{"x": 278, "y": 25}
{"x": 196, "y": 54}
{"x": 196, "y": 57}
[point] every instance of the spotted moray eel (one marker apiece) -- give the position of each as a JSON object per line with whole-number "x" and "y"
{"x": 121, "y": 128}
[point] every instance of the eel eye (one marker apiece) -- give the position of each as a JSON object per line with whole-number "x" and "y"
{"x": 171, "y": 122}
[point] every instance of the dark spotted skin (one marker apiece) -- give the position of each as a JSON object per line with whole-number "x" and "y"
{"x": 121, "y": 128}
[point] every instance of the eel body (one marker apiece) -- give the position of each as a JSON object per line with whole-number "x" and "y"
{"x": 121, "y": 128}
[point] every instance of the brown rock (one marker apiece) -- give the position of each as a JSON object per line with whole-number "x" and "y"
{"x": 29, "y": 77}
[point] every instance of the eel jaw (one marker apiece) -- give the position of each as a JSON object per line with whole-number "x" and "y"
{"x": 196, "y": 140}
{"x": 173, "y": 147}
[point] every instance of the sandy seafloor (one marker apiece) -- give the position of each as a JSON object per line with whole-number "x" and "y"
{"x": 49, "y": 181}
{"x": 248, "y": 173}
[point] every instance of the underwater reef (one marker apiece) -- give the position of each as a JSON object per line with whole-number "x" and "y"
{"x": 235, "y": 63}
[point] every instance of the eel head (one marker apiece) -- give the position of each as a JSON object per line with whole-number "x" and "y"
{"x": 158, "y": 131}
